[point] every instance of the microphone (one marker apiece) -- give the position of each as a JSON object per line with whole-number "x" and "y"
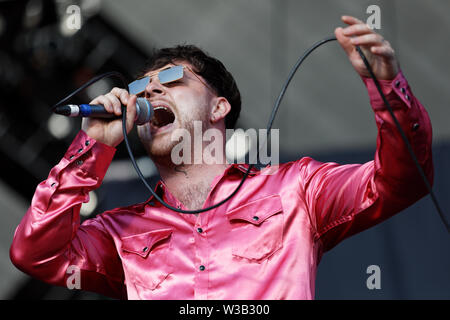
{"x": 144, "y": 111}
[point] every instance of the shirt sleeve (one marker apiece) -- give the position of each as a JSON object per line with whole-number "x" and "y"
{"x": 345, "y": 199}
{"x": 49, "y": 243}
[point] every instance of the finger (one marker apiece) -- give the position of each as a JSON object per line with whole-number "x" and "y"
{"x": 102, "y": 100}
{"x": 350, "y": 20}
{"x": 122, "y": 94}
{"x": 343, "y": 40}
{"x": 115, "y": 102}
{"x": 368, "y": 39}
{"x": 357, "y": 29}
{"x": 384, "y": 50}
{"x": 131, "y": 112}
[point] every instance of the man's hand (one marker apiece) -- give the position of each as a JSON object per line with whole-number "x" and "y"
{"x": 378, "y": 51}
{"x": 110, "y": 131}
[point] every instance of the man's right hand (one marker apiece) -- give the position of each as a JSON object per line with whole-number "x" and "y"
{"x": 109, "y": 131}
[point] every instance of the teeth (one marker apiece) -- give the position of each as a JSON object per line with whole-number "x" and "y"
{"x": 158, "y": 122}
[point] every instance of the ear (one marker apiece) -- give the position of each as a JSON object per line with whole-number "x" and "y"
{"x": 221, "y": 107}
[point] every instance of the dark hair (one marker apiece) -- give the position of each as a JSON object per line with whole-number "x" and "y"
{"x": 211, "y": 69}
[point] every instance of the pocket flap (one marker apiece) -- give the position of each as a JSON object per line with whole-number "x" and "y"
{"x": 143, "y": 243}
{"x": 258, "y": 210}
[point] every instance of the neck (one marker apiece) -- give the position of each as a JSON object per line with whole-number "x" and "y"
{"x": 174, "y": 175}
{"x": 190, "y": 183}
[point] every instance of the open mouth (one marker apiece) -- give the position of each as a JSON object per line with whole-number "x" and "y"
{"x": 162, "y": 117}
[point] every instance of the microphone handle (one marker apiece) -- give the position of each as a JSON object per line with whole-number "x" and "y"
{"x": 96, "y": 111}
{"x": 144, "y": 111}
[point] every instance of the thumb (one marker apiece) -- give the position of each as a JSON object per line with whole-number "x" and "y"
{"x": 343, "y": 40}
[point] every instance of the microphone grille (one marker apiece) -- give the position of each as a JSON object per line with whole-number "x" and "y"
{"x": 144, "y": 111}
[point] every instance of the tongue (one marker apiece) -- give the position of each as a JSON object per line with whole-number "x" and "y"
{"x": 162, "y": 118}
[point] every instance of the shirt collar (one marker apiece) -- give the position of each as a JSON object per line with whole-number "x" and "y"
{"x": 159, "y": 190}
{"x": 242, "y": 167}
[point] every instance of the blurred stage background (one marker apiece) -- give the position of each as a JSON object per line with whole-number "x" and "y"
{"x": 325, "y": 113}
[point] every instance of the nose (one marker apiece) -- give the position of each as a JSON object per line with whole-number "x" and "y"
{"x": 154, "y": 88}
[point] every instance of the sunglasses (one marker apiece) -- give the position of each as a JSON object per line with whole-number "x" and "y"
{"x": 167, "y": 75}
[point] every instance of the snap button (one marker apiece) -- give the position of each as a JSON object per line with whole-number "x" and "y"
{"x": 407, "y": 97}
{"x": 199, "y": 230}
{"x": 255, "y": 218}
{"x": 87, "y": 143}
{"x": 403, "y": 90}
{"x": 415, "y": 126}
{"x": 80, "y": 150}
{"x": 53, "y": 184}
{"x": 145, "y": 249}
{"x": 397, "y": 83}
{"x": 202, "y": 267}
{"x": 71, "y": 157}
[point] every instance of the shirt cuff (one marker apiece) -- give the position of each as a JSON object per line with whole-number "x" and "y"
{"x": 397, "y": 92}
{"x": 89, "y": 155}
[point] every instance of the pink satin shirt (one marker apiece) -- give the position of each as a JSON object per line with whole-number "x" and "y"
{"x": 265, "y": 243}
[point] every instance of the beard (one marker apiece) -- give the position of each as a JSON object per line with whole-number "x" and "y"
{"x": 159, "y": 147}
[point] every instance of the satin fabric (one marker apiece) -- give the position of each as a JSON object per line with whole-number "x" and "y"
{"x": 265, "y": 243}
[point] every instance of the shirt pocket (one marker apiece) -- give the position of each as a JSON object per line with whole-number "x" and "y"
{"x": 257, "y": 228}
{"x": 146, "y": 257}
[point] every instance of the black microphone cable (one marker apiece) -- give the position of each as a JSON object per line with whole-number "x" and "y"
{"x": 89, "y": 83}
{"x": 269, "y": 126}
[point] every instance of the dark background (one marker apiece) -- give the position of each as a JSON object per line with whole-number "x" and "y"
{"x": 325, "y": 114}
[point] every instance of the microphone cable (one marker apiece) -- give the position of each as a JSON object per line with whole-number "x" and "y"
{"x": 269, "y": 126}
{"x": 89, "y": 83}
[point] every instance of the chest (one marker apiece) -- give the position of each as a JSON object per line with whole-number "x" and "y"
{"x": 193, "y": 195}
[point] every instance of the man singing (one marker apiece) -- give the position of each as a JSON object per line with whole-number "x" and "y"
{"x": 264, "y": 243}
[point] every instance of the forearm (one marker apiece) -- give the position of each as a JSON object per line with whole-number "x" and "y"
{"x": 347, "y": 199}
{"x": 42, "y": 240}
{"x": 395, "y": 170}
